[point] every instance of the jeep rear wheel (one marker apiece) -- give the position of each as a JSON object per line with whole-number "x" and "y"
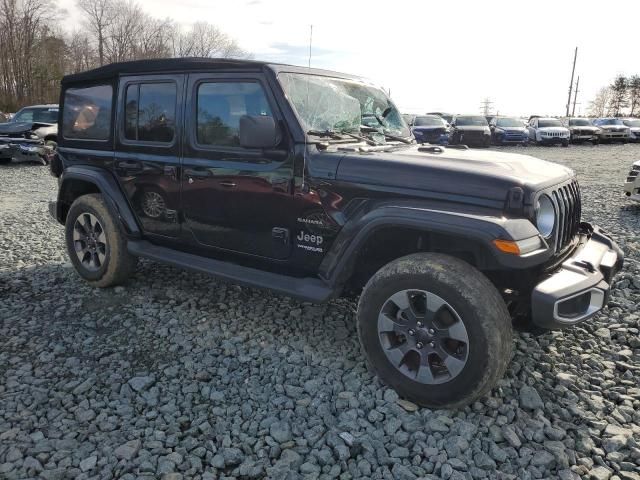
{"x": 96, "y": 243}
{"x": 434, "y": 329}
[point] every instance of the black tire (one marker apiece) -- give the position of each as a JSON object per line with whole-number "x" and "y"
{"x": 5, "y": 161}
{"x": 116, "y": 264}
{"x": 477, "y": 305}
{"x": 565, "y": 143}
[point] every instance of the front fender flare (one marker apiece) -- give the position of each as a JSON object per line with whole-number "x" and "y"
{"x": 110, "y": 190}
{"x": 339, "y": 262}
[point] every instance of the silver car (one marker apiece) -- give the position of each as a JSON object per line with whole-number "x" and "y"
{"x": 46, "y": 116}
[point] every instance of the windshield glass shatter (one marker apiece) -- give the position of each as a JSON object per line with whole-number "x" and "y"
{"x": 335, "y": 104}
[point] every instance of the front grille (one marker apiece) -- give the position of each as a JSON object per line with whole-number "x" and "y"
{"x": 566, "y": 200}
{"x": 553, "y": 134}
{"x": 634, "y": 173}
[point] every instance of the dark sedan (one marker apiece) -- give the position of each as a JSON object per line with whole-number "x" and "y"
{"x": 472, "y": 130}
{"x": 430, "y": 129}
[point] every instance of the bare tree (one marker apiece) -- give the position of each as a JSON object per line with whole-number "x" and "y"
{"x": 124, "y": 31}
{"x": 634, "y": 95}
{"x": 599, "y": 106}
{"x": 80, "y": 54}
{"x": 619, "y": 95}
{"x": 206, "y": 40}
{"x": 99, "y": 16}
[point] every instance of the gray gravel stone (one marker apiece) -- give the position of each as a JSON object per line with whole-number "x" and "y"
{"x": 220, "y": 381}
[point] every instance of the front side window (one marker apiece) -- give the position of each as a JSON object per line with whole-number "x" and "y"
{"x": 471, "y": 121}
{"x": 508, "y": 122}
{"x": 579, "y": 122}
{"x": 549, "y": 122}
{"x": 429, "y": 122}
{"x": 337, "y": 104}
{"x": 220, "y": 106}
{"x": 87, "y": 113}
{"x": 150, "y": 112}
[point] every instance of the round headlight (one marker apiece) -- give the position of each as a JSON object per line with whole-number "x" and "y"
{"x": 545, "y": 216}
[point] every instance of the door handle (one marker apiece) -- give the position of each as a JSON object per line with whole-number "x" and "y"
{"x": 227, "y": 183}
{"x": 190, "y": 172}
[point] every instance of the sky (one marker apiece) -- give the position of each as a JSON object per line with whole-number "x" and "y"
{"x": 436, "y": 55}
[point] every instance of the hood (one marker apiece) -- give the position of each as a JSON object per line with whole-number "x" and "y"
{"x": 472, "y": 128}
{"x": 592, "y": 128}
{"x": 511, "y": 129}
{"x": 470, "y": 173}
{"x": 17, "y": 128}
{"x": 427, "y": 128}
{"x": 612, "y": 127}
{"x": 553, "y": 129}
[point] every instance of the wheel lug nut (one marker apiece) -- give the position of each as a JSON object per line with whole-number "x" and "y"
{"x": 432, "y": 344}
{"x": 419, "y": 324}
{"x": 411, "y": 332}
{"x": 419, "y": 345}
{"x": 431, "y": 331}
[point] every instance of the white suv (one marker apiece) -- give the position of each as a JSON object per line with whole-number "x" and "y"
{"x": 634, "y": 128}
{"x": 548, "y": 131}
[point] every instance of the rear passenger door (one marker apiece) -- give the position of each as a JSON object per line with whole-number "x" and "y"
{"x": 147, "y": 157}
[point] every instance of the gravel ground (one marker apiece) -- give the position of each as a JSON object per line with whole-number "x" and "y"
{"x": 178, "y": 376}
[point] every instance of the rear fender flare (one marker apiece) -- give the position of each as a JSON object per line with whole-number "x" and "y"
{"x": 108, "y": 187}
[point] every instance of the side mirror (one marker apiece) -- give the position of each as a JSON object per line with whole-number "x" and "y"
{"x": 258, "y": 131}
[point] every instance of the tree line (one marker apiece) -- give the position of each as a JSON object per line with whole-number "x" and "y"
{"x": 37, "y": 51}
{"x": 620, "y": 99}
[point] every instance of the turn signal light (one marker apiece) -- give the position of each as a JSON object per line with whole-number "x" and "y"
{"x": 507, "y": 246}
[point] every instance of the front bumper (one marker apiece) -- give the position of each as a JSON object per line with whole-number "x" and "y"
{"x": 579, "y": 289}
{"x": 553, "y": 140}
{"x": 22, "y": 150}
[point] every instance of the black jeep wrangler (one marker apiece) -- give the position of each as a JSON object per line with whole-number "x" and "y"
{"x": 309, "y": 183}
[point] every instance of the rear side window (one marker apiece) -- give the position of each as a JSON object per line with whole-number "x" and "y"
{"x": 220, "y": 106}
{"x": 87, "y": 113}
{"x": 150, "y": 112}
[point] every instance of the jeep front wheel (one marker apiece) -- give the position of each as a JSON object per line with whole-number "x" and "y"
{"x": 96, "y": 243}
{"x": 434, "y": 329}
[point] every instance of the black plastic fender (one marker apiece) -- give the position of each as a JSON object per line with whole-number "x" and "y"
{"x": 339, "y": 262}
{"x": 108, "y": 187}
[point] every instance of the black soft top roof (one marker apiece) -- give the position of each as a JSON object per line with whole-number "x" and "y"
{"x": 167, "y": 65}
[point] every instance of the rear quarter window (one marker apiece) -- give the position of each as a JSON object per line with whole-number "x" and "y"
{"x": 87, "y": 113}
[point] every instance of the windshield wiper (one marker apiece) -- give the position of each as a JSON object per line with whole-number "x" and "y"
{"x": 339, "y": 135}
{"x": 388, "y": 136}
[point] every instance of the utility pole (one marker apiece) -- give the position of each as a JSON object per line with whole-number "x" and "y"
{"x": 485, "y": 106}
{"x": 575, "y": 97}
{"x": 573, "y": 71}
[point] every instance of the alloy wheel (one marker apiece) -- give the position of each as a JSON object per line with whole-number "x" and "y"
{"x": 423, "y": 336}
{"x": 153, "y": 204}
{"x": 89, "y": 241}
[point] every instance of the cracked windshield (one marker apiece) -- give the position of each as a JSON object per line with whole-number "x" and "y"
{"x": 326, "y": 104}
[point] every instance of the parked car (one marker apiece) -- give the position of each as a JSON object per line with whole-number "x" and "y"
{"x": 471, "y": 130}
{"x": 632, "y": 184}
{"x": 44, "y": 117}
{"x": 582, "y": 130}
{"x": 548, "y": 131}
{"x": 508, "y": 131}
{"x": 612, "y": 130}
{"x": 289, "y": 191}
{"x": 634, "y": 128}
{"x": 18, "y": 142}
{"x": 430, "y": 129}
{"x": 447, "y": 117}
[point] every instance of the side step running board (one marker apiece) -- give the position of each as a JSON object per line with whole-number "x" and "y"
{"x": 309, "y": 289}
